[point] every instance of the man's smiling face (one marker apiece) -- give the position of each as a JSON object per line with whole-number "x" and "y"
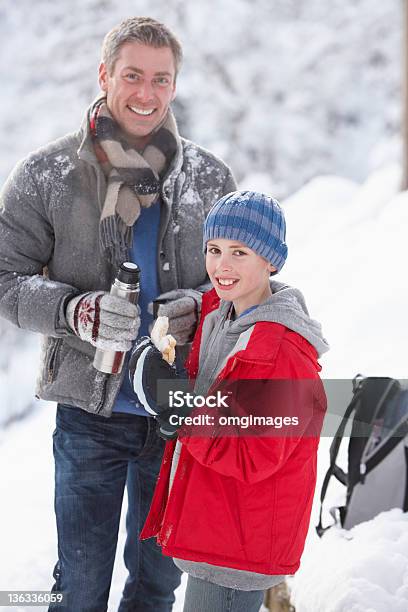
{"x": 140, "y": 88}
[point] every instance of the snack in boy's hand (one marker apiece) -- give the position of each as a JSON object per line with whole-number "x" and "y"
{"x": 164, "y": 342}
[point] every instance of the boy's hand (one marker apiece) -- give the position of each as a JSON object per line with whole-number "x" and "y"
{"x": 146, "y": 368}
{"x": 182, "y": 307}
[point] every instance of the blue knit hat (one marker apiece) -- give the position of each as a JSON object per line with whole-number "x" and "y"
{"x": 252, "y": 218}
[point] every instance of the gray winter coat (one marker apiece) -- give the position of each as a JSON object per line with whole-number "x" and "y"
{"x": 49, "y": 251}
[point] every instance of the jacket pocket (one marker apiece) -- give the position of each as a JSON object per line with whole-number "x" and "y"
{"x": 53, "y": 358}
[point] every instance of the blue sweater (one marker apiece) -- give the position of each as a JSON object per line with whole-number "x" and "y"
{"x": 144, "y": 253}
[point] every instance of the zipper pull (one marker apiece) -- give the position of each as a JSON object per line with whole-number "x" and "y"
{"x": 363, "y": 470}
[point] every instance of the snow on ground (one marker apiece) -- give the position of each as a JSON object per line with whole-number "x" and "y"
{"x": 26, "y": 489}
{"x": 361, "y": 570}
{"x": 13, "y": 405}
{"x": 347, "y": 253}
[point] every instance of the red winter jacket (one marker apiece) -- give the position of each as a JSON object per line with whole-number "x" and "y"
{"x": 243, "y": 502}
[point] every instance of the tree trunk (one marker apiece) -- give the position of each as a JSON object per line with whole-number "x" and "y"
{"x": 277, "y": 599}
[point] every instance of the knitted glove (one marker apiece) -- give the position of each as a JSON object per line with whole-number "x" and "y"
{"x": 106, "y": 321}
{"x": 146, "y": 368}
{"x": 182, "y": 307}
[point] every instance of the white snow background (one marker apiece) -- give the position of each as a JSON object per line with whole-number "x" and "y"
{"x": 317, "y": 88}
{"x": 291, "y": 88}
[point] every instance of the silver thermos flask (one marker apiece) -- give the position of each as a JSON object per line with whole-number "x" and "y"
{"x": 126, "y": 285}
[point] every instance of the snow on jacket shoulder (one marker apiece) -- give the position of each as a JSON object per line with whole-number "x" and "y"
{"x": 244, "y": 501}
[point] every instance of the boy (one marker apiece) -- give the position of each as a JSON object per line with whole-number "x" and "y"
{"x": 234, "y": 511}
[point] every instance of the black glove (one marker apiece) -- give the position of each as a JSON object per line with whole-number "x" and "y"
{"x": 146, "y": 368}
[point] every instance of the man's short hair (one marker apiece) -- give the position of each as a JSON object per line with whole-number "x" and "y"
{"x": 144, "y": 30}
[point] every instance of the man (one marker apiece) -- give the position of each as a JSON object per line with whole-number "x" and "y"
{"x": 126, "y": 186}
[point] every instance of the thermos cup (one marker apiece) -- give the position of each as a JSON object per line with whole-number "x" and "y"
{"x": 126, "y": 285}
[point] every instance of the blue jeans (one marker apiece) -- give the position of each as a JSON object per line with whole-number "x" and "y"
{"x": 95, "y": 458}
{"x": 203, "y": 596}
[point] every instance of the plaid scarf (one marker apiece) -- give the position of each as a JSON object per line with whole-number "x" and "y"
{"x": 133, "y": 177}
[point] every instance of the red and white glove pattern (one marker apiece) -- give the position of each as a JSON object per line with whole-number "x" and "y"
{"x": 106, "y": 321}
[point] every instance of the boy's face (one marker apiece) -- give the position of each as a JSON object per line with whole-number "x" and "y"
{"x": 237, "y": 273}
{"x": 140, "y": 88}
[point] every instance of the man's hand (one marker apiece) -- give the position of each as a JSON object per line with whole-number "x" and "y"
{"x": 182, "y": 307}
{"x": 105, "y": 321}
